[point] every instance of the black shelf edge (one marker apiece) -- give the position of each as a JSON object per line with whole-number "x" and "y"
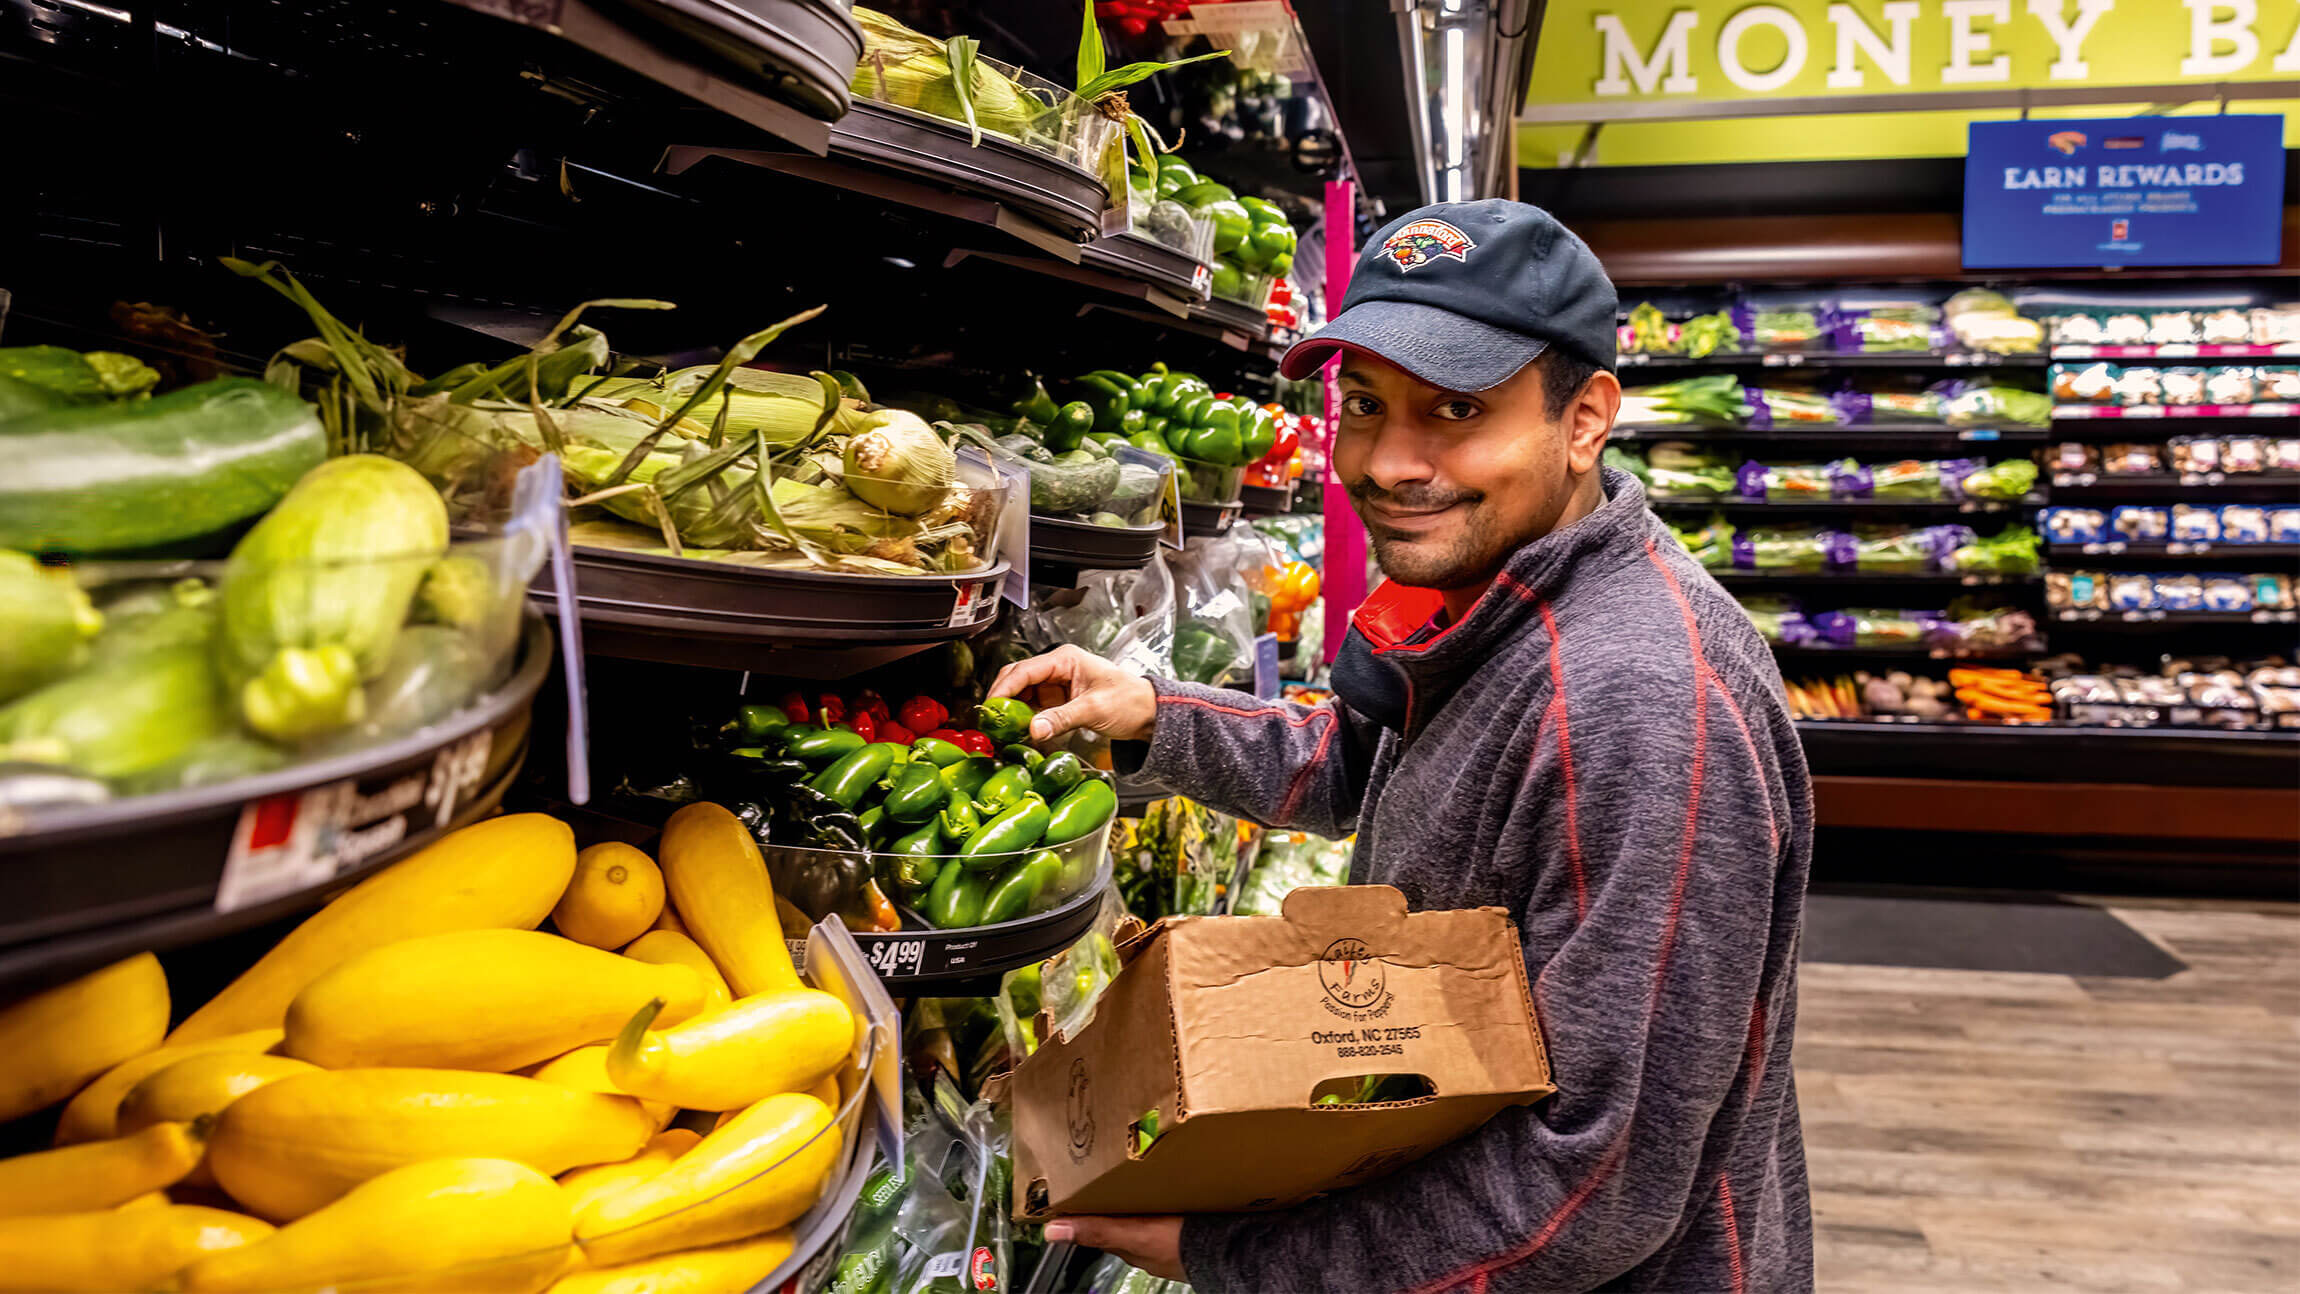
{"x": 1837, "y": 359}
{"x": 2212, "y": 485}
{"x": 1836, "y": 433}
{"x": 2171, "y": 551}
{"x": 1266, "y": 500}
{"x": 1937, "y": 578}
{"x": 2051, "y": 753}
{"x": 1965, "y": 507}
{"x": 2189, "y": 417}
{"x": 1200, "y": 518}
{"x": 2087, "y": 618}
{"x": 913, "y": 963}
{"x": 1084, "y": 546}
{"x": 1178, "y": 273}
{"x": 1913, "y": 652}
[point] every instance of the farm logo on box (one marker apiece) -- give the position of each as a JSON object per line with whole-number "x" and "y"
{"x": 1424, "y": 241}
{"x": 2067, "y": 141}
{"x": 1079, "y": 1110}
{"x": 1353, "y": 978}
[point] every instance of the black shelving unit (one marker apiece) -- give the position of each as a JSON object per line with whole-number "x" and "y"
{"x": 1905, "y": 579}
{"x": 1862, "y": 507}
{"x": 1919, "y": 359}
{"x": 2236, "y": 556}
{"x": 1860, "y": 435}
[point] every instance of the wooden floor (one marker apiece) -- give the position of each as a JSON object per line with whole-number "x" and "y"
{"x": 1979, "y": 1133}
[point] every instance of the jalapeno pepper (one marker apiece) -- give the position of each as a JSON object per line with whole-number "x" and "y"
{"x": 1002, "y": 789}
{"x": 1012, "y": 831}
{"x": 846, "y": 780}
{"x": 917, "y": 858}
{"x": 915, "y": 792}
{"x": 1004, "y": 719}
{"x": 1034, "y": 403}
{"x": 1081, "y": 812}
{"x": 967, "y": 776}
{"x": 955, "y": 900}
{"x": 1054, "y": 778}
{"x": 1019, "y": 888}
{"x": 760, "y": 722}
{"x": 871, "y": 820}
{"x": 824, "y": 745}
{"x": 935, "y": 751}
{"x": 958, "y": 820}
{"x": 1027, "y": 756}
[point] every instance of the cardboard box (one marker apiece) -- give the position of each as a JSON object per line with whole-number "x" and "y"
{"x": 1232, "y": 1027}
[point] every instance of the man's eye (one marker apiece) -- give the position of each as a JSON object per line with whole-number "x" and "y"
{"x": 1361, "y": 406}
{"x": 1456, "y": 410}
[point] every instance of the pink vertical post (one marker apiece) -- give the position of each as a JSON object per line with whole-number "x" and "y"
{"x": 1344, "y": 579}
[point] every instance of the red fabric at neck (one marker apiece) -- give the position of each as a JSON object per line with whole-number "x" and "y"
{"x": 1395, "y": 612}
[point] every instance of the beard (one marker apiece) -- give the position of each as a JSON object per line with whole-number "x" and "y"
{"x": 1459, "y": 553}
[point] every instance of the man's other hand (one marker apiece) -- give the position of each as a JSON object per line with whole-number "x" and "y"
{"x": 1151, "y": 1242}
{"x": 1074, "y": 688}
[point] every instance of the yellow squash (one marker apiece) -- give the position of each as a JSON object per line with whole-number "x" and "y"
{"x": 720, "y": 1269}
{"x": 616, "y": 895}
{"x": 94, "y": 1114}
{"x": 719, "y": 884}
{"x": 754, "y": 1174}
{"x": 670, "y": 947}
{"x": 476, "y": 999}
{"x": 584, "y": 1185}
{"x": 737, "y": 1055}
{"x": 148, "y": 1200}
{"x": 137, "y": 1249}
{"x": 98, "y": 1174}
{"x": 476, "y": 1225}
{"x": 300, "y": 1143}
{"x": 826, "y": 1091}
{"x": 54, "y": 1041}
{"x": 670, "y": 919}
{"x": 202, "y": 1085}
{"x": 504, "y": 873}
{"x": 585, "y": 1070}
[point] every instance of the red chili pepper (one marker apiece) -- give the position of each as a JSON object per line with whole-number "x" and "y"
{"x": 874, "y": 703}
{"x": 831, "y": 707}
{"x": 896, "y": 733}
{"x": 864, "y": 725}
{"x": 946, "y": 734}
{"x": 795, "y": 708}
{"x": 922, "y": 714}
{"x": 972, "y": 742}
{"x": 1133, "y": 26}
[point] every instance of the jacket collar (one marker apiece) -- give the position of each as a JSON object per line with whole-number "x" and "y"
{"x": 1538, "y": 572}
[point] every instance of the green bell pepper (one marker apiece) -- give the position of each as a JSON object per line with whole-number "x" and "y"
{"x": 1259, "y": 435}
{"x": 1262, "y": 209}
{"x": 1105, "y": 398}
{"x": 1223, "y": 415}
{"x": 1131, "y": 421}
{"x": 1137, "y": 395}
{"x": 1193, "y": 410}
{"x": 1174, "y": 175}
{"x": 1211, "y": 444}
{"x": 1155, "y": 442}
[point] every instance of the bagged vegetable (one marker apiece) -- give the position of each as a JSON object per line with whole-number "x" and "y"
{"x": 1123, "y": 616}
{"x": 1214, "y": 625}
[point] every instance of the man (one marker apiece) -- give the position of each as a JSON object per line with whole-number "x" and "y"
{"x": 1549, "y": 708}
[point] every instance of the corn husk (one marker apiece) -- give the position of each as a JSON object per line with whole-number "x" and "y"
{"x": 786, "y": 406}
{"x": 897, "y": 462}
{"x": 912, "y": 70}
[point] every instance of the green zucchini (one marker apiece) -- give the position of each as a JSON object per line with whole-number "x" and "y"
{"x": 153, "y": 474}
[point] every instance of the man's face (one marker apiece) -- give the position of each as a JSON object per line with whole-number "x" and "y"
{"x": 1451, "y": 483}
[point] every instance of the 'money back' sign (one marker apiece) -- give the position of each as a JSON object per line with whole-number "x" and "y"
{"x": 2124, "y": 191}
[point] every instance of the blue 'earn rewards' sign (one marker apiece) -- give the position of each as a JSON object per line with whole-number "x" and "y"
{"x": 2124, "y": 191}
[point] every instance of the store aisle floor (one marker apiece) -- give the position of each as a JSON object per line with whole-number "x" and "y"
{"x": 1980, "y": 1132}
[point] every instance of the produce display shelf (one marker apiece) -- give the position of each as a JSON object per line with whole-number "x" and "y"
{"x": 1235, "y": 316}
{"x": 1896, "y": 652}
{"x": 1951, "y": 579}
{"x": 2240, "y": 554}
{"x": 794, "y": 57}
{"x": 2093, "y": 618}
{"x": 2172, "y": 412}
{"x": 84, "y": 885}
{"x": 1833, "y": 433}
{"x": 1961, "y": 507}
{"x": 1836, "y": 359}
{"x": 1084, "y": 546}
{"x": 1201, "y": 518}
{"x": 928, "y": 963}
{"x": 2178, "y": 350}
{"x": 2051, "y": 752}
{"x": 686, "y": 611}
{"x": 2281, "y": 484}
{"x": 1266, "y": 500}
{"x": 1153, "y": 262}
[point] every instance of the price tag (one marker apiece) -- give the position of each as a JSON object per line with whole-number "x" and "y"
{"x": 1013, "y": 527}
{"x": 891, "y": 957}
{"x": 1266, "y": 685}
{"x": 1979, "y": 433}
{"x": 1202, "y": 280}
{"x": 295, "y": 841}
{"x": 2150, "y": 411}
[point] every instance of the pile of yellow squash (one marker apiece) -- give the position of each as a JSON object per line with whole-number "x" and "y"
{"x": 418, "y": 1088}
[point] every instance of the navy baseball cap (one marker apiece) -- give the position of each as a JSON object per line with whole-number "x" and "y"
{"x": 1464, "y": 294}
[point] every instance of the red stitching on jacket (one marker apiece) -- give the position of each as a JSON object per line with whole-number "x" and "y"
{"x": 1301, "y": 780}
{"x": 1732, "y": 1231}
{"x": 1772, "y": 826}
{"x": 1540, "y": 1239}
{"x": 1756, "y": 1059}
{"x": 1565, "y": 761}
{"x": 1263, "y": 713}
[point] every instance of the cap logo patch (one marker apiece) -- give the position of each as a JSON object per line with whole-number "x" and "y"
{"x": 1424, "y": 241}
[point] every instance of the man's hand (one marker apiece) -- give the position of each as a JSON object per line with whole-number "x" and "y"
{"x": 1074, "y": 688}
{"x": 1152, "y": 1242}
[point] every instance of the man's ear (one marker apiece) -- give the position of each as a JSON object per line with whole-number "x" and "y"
{"x": 1589, "y": 419}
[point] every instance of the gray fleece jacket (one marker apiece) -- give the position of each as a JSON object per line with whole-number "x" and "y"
{"x": 1601, "y": 747}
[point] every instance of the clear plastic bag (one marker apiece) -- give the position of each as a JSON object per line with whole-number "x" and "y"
{"x": 1214, "y": 606}
{"x": 1125, "y": 617}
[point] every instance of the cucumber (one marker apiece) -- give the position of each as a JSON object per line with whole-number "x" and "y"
{"x": 1062, "y": 488}
{"x": 119, "y": 478}
{"x": 35, "y": 379}
{"x": 1137, "y": 488}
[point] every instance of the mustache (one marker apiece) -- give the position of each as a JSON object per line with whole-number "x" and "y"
{"x": 1410, "y": 498}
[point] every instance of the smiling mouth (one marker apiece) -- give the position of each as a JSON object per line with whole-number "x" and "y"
{"x": 1387, "y": 516}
